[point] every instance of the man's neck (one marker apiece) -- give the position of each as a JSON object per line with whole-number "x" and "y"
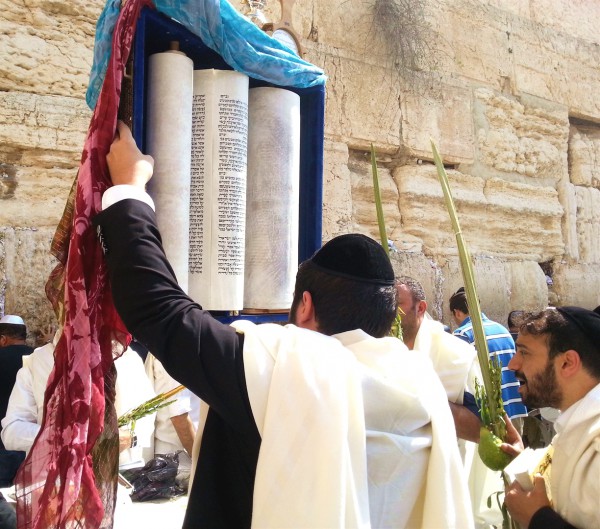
{"x": 577, "y": 391}
{"x": 409, "y": 336}
{"x": 409, "y": 341}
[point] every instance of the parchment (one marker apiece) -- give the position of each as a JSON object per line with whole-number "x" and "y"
{"x": 168, "y": 140}
{"x": 218, "y": 189}
{"x": 272, "y": 198}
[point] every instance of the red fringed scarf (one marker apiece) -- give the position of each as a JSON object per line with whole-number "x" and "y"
{"x": 69, "y": 477}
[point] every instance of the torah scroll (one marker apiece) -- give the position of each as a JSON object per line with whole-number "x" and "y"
{"x": 272, "y": 198}
{"x": 168, "y": 139}
{"x": 218, "y": 189}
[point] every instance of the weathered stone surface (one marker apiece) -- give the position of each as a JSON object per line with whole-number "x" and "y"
{"x": 425, "y": 271}
{"x": 588, "y": 224}
{"x": 480, "y": 54}
{"x": 47, "y": 46}
{"x": 348, "y": 29}
{"x": 510, "y": 96}
{"x": 41, "y": 139}
{"x": 584, "y": 153}
{"x": 577, "y": 284}
{"x": 492, "y": 277}
{"x": 362, "y": 103}
{"x": 364, "y": 213}
{"x": 518, "y": 48}
{"x": 579, "y": 20}
{"x": 568, "y": 199}
{"x": 556, "y": 66}
{"x": 50, "y": 129}
{"x": 25, "y": 263}
{"x": 337, "y": 191}
{"x": 528, "y": 288}
{"x": 502, "y": 286}
{"x": 447, "y": 119}
{"x": 497, "y": 217}
{"x": 520, "y": 139}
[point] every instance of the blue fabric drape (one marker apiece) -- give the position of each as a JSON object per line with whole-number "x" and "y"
{"x": 242, "y": 45}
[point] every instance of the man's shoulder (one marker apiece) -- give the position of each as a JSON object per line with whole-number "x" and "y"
{"x": 11, "y": 359}
{"x": 464, "y": 331}
{"x": 454, "y": 341}
{"x": 435, "y": 329}
{"x": 272, "y": 336}
{"x": 16, "y": 349}
{"x": 495, "y": 325}
{"x": 496, "y": 332}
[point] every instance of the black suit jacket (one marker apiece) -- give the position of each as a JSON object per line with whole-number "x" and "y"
{"x": 198, "y": 351}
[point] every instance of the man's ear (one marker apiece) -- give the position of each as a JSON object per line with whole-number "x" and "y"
{"x": 422, "y": 307}
{"x": 569, "y": 363}
{"x": 305, "y": 314}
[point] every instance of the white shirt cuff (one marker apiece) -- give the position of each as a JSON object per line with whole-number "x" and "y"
{"x": 120, "y": 192}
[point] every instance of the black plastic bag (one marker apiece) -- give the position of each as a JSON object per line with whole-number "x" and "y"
{"x": 156, "y": 479}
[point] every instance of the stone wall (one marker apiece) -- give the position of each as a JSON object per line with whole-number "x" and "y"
{"x": 508, "y": 91}
{"x": 511, "y": 107}
{"x": 45, "y": 57}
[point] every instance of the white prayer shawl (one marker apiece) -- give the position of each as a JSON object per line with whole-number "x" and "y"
{"x": 575, "y": 471}
{"x": 312, "y": 470}
{"x": 453, "y": 359}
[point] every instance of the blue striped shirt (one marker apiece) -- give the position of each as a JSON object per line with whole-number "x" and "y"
{"x": 500, "y": 346}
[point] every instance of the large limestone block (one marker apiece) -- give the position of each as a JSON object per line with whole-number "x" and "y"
{"x": 579, "y": 20}
{"x": 474, "y": 42}
{"x": 447, "y": 119}
{"x": 492, "y": 277}
{"x": 364, "y": 213}
{"x": 497, "y": 217}
{"x": 520, "y": 138}
{"x": 426, "y": 272}
{"x": 337, "y": 190}
{"x": 47, "y": 131}
{"x": 27, "y": 264}
{"x": 584, "y": 155}
{"x": 36, "y": 197}
{"x": 568, "y": 199}
{"x": 588, "y": 224}
{"x": 41, "y": 139}
{"x": 47, "y": 46}
{"x": 523, "y": 48}
{"x": 577, "y": 284}
{"x": 556, "y": 65}
{"x": 528, "y": 288}
{"x": 347, "y": 28}
{"x": 422, "y": 209}
{"x": 388, "y": 32}
{"x": 362, "y": 102}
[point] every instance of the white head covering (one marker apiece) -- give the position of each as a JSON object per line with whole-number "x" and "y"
{"x": 11, "y": 319}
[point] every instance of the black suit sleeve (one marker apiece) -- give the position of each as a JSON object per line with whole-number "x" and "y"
{"x": 548, "y": 518}
{"x": 197, "y": 350}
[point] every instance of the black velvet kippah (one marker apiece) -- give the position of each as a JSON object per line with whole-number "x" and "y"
{"x": 355, "y": 257}
{"x": 587, "y": 321}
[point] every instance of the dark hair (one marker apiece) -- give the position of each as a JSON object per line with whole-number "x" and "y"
{"x": 562, "y": 335}
{"x": 516, "y": 318}
{"x": 597, "y": 309}
{"x": 458, "y": 301}
{"x": 414, "y": 287}
{"x": 343, "y": 304}
{"x": 11, "y": 330}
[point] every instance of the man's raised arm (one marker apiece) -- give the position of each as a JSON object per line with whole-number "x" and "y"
{"x": 197, "y": 350}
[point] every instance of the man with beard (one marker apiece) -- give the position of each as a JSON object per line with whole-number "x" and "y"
{"x": 558, "y": 364}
